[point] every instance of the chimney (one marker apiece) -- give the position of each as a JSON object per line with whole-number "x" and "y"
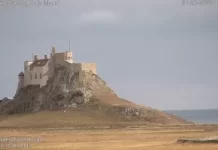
{"x": 53, "y": 50}
{"x": 35, "y": 57}
{"x": 45, "y": 57}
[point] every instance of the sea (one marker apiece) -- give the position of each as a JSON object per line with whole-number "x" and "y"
{"x": 207, "y": 116}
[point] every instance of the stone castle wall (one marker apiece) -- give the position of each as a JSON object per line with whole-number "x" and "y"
{"x": 89, "y": 67}
{"x": 77, "y": 67}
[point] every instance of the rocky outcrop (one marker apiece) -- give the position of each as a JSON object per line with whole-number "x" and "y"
{"x": 65, "y": 89}
{"x": 72, "y": 89}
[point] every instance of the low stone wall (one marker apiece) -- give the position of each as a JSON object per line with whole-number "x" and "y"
{"x": 89, "y": 67}
{"x": 77, "y": 67}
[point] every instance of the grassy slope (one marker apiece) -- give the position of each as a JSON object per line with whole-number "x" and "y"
{"x": 87, "y": 115}
{"x": 118, "y": 139}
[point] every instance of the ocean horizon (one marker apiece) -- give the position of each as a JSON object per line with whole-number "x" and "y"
{"x": 201, "y": 116}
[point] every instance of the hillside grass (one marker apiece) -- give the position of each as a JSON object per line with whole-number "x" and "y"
{"x": 108, "y": 139}
{"x": 73, "y": 129}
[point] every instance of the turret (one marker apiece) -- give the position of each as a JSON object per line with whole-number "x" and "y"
{"x": 20, "y": 82}
{"x": 52, "y": 61}
{"x": 36, "y": 57}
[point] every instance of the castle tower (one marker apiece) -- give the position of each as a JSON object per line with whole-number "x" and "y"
{"x": 20, "y": 82}
{"x": 68, "y": 56}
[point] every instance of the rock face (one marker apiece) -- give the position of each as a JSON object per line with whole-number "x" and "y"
{"x": 70, "y": 89}
{"x": 65, "y": 89}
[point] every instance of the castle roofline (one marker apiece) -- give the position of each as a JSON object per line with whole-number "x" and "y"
{"x": 39, "y": 63}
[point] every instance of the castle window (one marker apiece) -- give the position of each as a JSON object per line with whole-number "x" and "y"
{"x": 35, "y": 76}
{"x": 40, "y": 75}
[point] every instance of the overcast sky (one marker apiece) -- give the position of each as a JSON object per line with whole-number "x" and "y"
{"x": 157, "y": 53}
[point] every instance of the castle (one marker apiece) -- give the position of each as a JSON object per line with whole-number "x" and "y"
{"x": 38, "y": 71}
